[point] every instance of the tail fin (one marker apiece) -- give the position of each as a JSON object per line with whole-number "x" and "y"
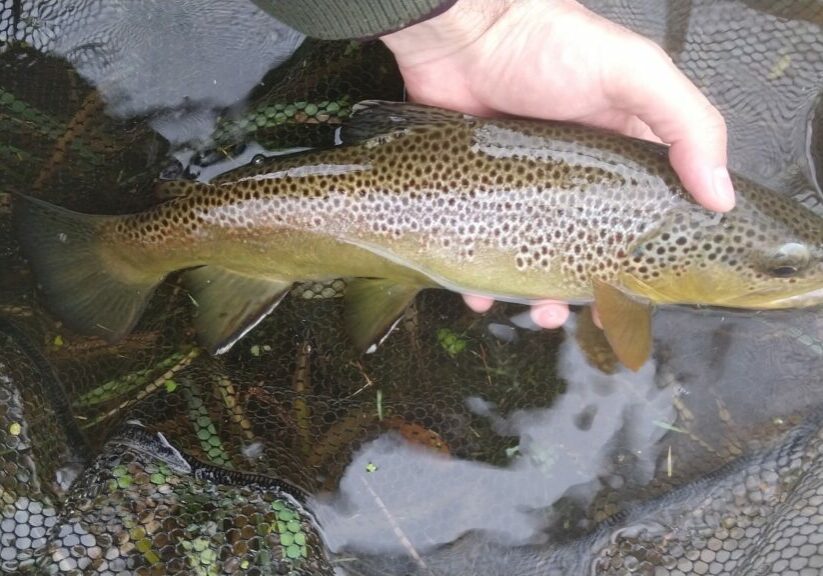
{"x": 85, "y": 283}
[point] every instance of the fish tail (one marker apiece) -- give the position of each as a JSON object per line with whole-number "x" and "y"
{"x": 87, "y": 281}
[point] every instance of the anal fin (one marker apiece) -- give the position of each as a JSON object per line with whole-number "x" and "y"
{"x": 627, "y": 323}
{"x": 372, "y": 306}
{"x": 230, "y": 304}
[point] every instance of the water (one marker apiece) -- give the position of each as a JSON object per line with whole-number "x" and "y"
{"x": 461, "y": 429}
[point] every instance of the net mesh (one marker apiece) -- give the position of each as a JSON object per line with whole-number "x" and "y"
{"x": 464, "y": 440}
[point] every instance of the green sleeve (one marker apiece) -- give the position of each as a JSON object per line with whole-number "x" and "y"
{"x": 335, "y": 19}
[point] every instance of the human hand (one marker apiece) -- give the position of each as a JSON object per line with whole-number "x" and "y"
{"x": 558, "y": 60}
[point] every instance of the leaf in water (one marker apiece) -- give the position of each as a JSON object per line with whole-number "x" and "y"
{"x": 417, "y": 434}
{"x": 451, "y": 342}
{"x": 667, "y": 426}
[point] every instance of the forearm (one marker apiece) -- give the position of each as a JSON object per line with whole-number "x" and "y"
{"x": 336, "y": 19}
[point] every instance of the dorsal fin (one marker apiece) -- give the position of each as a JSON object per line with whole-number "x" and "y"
{"x": 375, "y": 118}
{"x": 169, "y": 189}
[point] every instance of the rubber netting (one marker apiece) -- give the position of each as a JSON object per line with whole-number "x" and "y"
{"x": 466, "y": 444}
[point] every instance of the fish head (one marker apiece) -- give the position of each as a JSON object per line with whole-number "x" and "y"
{"x": 766, "y": 253}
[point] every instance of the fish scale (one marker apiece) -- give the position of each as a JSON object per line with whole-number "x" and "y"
{"x": 418, "y": 197}
{"x": 473, "y": 211}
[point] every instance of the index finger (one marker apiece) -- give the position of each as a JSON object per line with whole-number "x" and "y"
{"x": 650, "y": 86}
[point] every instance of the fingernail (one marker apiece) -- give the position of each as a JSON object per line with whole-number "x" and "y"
{"x": 723, "y": 188}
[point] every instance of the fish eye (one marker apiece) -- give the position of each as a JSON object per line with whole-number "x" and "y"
{"x": 788, "y": 260}
{"x": 784, "y": 271}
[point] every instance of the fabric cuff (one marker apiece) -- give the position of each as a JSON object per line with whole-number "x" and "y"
{"x": 340, "y": 19}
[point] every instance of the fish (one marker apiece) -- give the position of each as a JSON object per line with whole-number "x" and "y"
{"x": 416, "y": 197}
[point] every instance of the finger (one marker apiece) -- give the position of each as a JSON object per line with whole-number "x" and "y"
{"x": 650, "y": 86}
{"x": 478, "y": 303}
{"x": 596, "y": 317}
{"x": 549, "y": 314}
{"x": 709, "y": 184}
{"x": 627, "y": 124}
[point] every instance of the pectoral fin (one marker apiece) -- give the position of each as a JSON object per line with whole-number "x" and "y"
{"x": 230, "y": 304}
{"x": 372, "y": 307}
{"x": 627, "y": 323}
{"x": 594, "y": 344}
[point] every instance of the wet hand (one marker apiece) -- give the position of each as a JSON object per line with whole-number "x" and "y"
{"x": 546, "y": 313}
{"x": 558, "y": 60}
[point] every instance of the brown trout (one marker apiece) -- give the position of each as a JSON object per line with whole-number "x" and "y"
{"x": 417, "y": 197}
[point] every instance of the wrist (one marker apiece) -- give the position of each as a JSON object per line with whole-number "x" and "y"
{"x": 447, "y": 33}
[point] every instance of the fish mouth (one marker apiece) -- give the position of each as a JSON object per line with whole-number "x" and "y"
{"x": 773, "y": 299}
{"x": 729, "y": 295}
{"x": 800, "y": 300}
